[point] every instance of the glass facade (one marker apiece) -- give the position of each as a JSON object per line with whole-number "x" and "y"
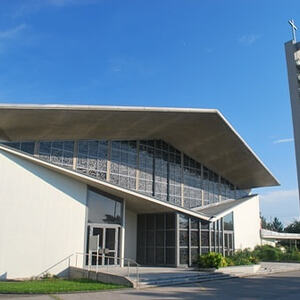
{"x": 163, "y": 237}
{"x": 151, "y": 167}
{"x": 156, "y": 236}
{"x": 57, "y": 152}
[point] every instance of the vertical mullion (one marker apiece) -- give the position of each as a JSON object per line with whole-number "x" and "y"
{"x": 103, "y": 246}
{"x": 209, "y": 236}
{"x": 168, "y": 176}
{"x": 36, "y": 148}
{"x": 219, "y": 189}
{"x": 75, "y": 154}
{"x": 165, "y": 238}
{"x": 182, "y": 178}
{"x": 153, "y": 165}
{"x": 223, "y": 235}
{"x": 177, "y": 240}
{"x": 202, "y": 177}
{"x": 189, "y": 243}
{"x": 108, "y": 161}
{"x": 200, "y": 244}
{"x": 154, "y": 240}
{"x": 137, "y": 165}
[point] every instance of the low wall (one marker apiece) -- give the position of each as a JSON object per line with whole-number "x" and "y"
{"x": 77, "y": 273}
{"x": 246, "y": 269}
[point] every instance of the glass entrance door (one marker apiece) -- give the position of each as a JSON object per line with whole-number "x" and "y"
{"x": 103, "y": 245}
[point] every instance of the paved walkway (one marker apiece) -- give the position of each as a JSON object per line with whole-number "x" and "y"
{"x": 275, "y": 267}
{"x": 285, "y": 286}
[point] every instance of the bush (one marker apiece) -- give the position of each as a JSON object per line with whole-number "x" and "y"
{"x": 291, "y": 255}
{"x": 212, "y": 260}
{"x": 242, "y": 257}
{"x": 268, "y": 253}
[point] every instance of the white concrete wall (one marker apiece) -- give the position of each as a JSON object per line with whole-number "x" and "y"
{"x": 42, "y": 217}
{"x": 246, "y": 222}
{"x": 268, "y": 242}
{"x": 130, "y": 234}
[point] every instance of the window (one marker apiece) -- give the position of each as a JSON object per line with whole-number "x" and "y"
{"x": 228, "y": 222}
{"x": 103, "y": 208}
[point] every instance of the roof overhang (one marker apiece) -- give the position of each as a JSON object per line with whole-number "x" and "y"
{"x": 136, "y": 202}
{"x": 218, "y": 210}
{"x": 274, "y": 235}
{"x": 203, "y": 134}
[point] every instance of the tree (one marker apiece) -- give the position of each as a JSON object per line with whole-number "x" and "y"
{"x": 277, "y": 225}
{"x": 263, "y": 222}
{"x": 294, "y": 227}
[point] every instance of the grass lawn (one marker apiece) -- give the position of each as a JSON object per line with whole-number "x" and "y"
{"x": 48, "y": 286}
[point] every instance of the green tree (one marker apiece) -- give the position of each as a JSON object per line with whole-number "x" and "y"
{"x": 294, "y": 227}
{"x": 263, "y": 222}
{"x": 277, "y": 225}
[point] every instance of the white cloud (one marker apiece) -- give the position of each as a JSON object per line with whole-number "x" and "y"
{"x": 69, "y": 2}
{"x": 29, "y": 7}
{"x": 12, "y": 32}
{"x": 279, "y": 196}
{"x": 288, "y": 140}
{"x": 283, "y": 204}
{"x": 9, "y": 36}
{"x": 249, "y": 39}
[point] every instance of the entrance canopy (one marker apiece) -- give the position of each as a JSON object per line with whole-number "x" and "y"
{"x": 203, "y": 134}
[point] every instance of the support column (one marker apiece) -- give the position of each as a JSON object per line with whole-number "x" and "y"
{"x": 122, "y": 236}
{"x": 75, "y": 155}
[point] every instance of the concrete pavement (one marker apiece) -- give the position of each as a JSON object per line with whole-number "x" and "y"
{"x": 276, "y": 286}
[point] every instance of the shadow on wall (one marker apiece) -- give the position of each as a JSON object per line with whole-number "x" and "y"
{"x": 3, "y": 276}
{"x": 59, "y": 181}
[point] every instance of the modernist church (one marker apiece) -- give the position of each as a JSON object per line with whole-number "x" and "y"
{"x": 159, "y": 186}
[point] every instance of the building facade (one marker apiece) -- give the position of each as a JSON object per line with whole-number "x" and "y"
{"x": 292, "y": 51}
{"x": 154, "y": 185}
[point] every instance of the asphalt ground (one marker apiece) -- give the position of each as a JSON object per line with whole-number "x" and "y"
{"x": 275, "y": 286}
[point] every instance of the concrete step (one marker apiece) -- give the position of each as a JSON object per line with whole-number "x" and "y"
{"x": 182, "y": 280}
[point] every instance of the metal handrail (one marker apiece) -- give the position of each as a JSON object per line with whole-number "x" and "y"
{"x": 101, "y": 255}
{"x": 128, "y": 260}
{"x": 53, "y": 266}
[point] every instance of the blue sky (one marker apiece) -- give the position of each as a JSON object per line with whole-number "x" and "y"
{"x": 224, "y": 54}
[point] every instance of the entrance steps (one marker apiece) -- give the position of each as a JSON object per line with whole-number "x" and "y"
{"x": 179, "y": 278}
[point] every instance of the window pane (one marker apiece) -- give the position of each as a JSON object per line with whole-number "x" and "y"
{"x": 170, "y": 238}
{"x": 183, "y": 222}
{"x": 184, "y": 237}
{"x": 184, "y": 256}
{"x": 170, "y": 219}
{"x": 103, "y": 209}
{"x": 170, "y": 256}
{"x": 194, "y": 238}
{"x": 194, "y": 223}
{"x": 195, "y": 255}
{"x": 204, "y": 238}
{"x": 228, "y": 222}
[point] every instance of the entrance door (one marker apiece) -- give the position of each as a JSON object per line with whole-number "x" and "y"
{"x": 103, "y": 245}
